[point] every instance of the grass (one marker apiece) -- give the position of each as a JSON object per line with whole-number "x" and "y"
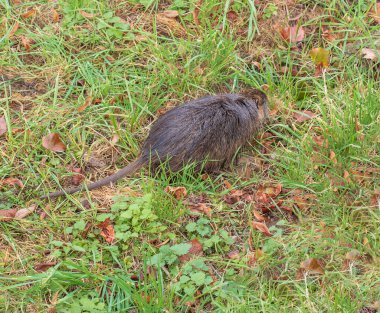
{"x": 137, "y": 70}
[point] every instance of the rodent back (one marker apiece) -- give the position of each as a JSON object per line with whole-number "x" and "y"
{"x": 211, "y": 128}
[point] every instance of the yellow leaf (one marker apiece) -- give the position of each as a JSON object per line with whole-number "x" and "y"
{"x": 320, "y": 56}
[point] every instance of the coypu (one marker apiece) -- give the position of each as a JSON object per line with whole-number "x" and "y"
{"x": 209, "y": 130}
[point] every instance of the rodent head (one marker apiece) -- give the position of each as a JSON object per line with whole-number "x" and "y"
{"x": 261, "y": 101}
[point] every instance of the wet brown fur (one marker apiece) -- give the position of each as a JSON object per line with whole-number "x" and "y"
{"x": 208, "y": 130}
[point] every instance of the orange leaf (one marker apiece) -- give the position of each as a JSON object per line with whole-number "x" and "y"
{"x": 227, "y": 184}
{"x": 86, "y": 103}
{"x": 177, "y": 192}
{"x": 312, "y": 266}
{"x": 320, "y": 57}
{"x": 303, "y": 116}
{"x": 3, "y": 126}
{"x": 29, "y": 13}
{"x": 12, "y": 182}
{"x": 86, "y": 14}
{"x": 262, "y": 228}
{"x": 107, "y": 230}
{"x": 53, "y": 142}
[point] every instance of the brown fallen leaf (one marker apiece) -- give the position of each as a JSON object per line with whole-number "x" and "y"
{"x": 3, "y": 126}
{"x": 253, "y": 257}
{"x": 107, "y": 230}
{"x": 332, "y": 157}
{"x": 195, "y": 250}
{"x": 14, "y": 29}
{"x": 56, "y": 16}
{"x": 312, "y": 266}
{"x": 320, "y": 141}
{"x": 170, "y": 25}
{"x": 12, "y": 182}
{"x": 375, "y": 199}
{"x": 78, "y": 178}
{"x": 370, "y": 54}
{"x": 7, "y": 215}
{"x": 196, "y": 12}
{"x": 115, "y": 139}
{"x": 53, "y": 142}
{"x": 262, "y": 228}
{"x": 43, "y": 267}
{"x": 303, "y": 116}
{"x": 20, "y": 214}
{"x": 327, "y": 35}
{"x": 53, "y": 303}
{"x": 353, "y": 255}
{"x": 26, "y": 42}
{"x": 233, "y": 255}
{"x": 233, "y": 196}
{"x": 293, "y": 33}
{"x": 266, "y": 192}
{"x": 201, "y": 208}
{"x": 375, "y": 12}
{"x": 232, "y": 16}
{"x": 86, "y": 14}
{"x": 177, "y": 192}
{"x": 29, "y": 13}
{"x": 86, "y": 103}
{"x": 170, "y": 13}
{"x": 305, "y": 201}
{"x": 259, "y": 217}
